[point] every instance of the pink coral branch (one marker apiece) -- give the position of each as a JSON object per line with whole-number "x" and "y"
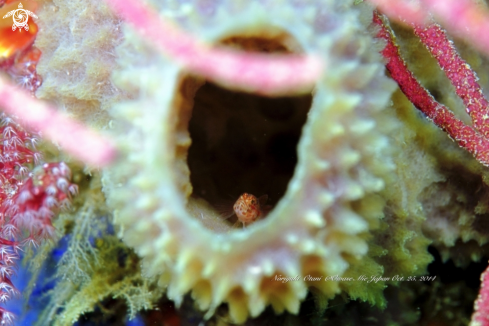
{"x": 464, "y": 19}
{"x": 72, "y": 136}
{"x": 459, "y": 73}
{"x": 264, "y": 74}
{"x": 402, "y": 10}
{"x": 481, "y": 305}
{"x": 465, "y": 136}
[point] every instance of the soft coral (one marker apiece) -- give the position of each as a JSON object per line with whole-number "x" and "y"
{"x": 28, "y": 200}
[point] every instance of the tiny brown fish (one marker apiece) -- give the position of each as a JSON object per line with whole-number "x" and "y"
{"x": 248, "y": 208}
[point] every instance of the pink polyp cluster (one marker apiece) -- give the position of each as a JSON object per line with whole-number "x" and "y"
{"x": 47, "y": 190}
{"x": 25, "y": 76}
{"x": 28, "y": 200}
{"x": 6, "y": 317}
{"x": 17, "y": 150}
{"x": 22, "y": 70}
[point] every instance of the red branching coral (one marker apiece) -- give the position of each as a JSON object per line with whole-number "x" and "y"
{"x": 459, "y": 74}
{"x": 481, "y": 306}
{"x": 466, "y": 136}
{"x": 463, "y": 18}
{"x": 460, "y": 17}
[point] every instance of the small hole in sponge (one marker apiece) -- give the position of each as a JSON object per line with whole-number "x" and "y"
{"x": 242, "y": 142}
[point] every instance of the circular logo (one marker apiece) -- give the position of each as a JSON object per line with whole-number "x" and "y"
{"x": 20, "y": 17}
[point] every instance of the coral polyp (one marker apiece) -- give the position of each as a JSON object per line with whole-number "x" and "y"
{"x": 322, "y": 221}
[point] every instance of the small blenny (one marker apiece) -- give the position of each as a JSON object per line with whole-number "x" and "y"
{"x": 248, "y": 208}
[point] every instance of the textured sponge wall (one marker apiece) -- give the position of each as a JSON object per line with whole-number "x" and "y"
{"x": 77, "y": 39}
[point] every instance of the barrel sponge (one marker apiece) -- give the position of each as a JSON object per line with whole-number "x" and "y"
{"x": 319, "y": 227}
